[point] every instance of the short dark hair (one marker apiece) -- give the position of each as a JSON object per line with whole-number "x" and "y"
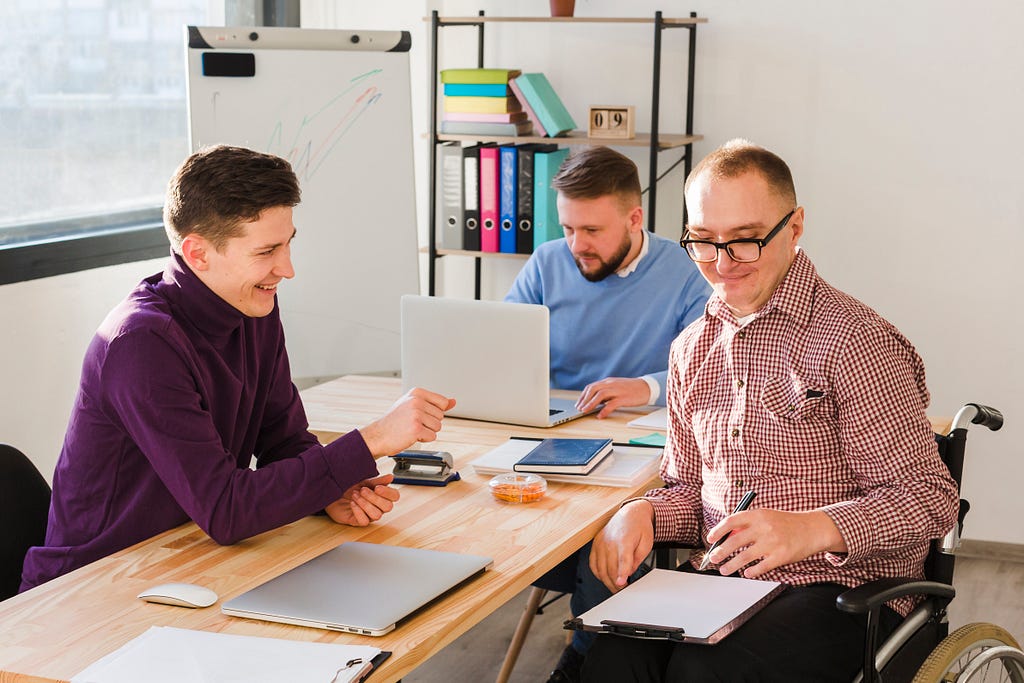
{"x": 739, "y": 156}
{"x": 219, "y": 188}
{"x": 594, "y": 172}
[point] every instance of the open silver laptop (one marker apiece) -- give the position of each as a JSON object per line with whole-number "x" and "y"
{"x": 491, "y": 357}
{"x": 363, "y": 588}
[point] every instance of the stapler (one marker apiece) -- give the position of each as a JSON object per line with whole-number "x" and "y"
{"x": 424, "y": 468}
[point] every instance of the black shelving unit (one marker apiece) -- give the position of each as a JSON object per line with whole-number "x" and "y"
{"x": 655, "y": 141}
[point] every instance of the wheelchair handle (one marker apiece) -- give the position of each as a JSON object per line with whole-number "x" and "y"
{"x": 976, "y": 413}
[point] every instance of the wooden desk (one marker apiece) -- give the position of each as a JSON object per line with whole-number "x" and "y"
{"x": 54, "y": 631}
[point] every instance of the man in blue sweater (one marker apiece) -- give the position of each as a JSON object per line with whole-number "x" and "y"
{"x": 618, "y": 296}
{"x": 188, "y": 379}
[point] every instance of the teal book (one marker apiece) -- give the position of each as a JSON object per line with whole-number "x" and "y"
{"x": 553, "y": 115}
{"x": 564, "y": 456}
{"x": 545, "y": 212}
{"x": 476, "y": 89}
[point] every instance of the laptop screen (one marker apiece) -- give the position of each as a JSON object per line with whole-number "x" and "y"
{"x": 491, "y": 357}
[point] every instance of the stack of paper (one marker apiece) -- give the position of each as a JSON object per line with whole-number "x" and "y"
{"x": 174, "y": 655}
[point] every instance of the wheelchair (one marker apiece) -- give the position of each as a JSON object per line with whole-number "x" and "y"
{"x": 921, "y": 649}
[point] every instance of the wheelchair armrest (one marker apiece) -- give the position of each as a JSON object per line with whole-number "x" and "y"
{"x": 871, "y": 595}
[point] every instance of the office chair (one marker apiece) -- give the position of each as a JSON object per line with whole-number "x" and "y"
{"x": 24, "y": 506}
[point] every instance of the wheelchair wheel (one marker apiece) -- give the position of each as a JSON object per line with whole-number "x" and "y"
{"x": 974, "y": 653}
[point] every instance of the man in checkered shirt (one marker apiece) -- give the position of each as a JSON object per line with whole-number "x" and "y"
{"x": 790, "y": 388}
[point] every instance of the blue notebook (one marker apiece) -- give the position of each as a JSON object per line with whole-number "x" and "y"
{"x": 565, "y": 456}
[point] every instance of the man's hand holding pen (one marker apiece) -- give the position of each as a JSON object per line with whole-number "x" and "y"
{"x": 765, "y": 539}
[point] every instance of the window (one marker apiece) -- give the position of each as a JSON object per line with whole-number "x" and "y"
{"x": 92, "y": 124}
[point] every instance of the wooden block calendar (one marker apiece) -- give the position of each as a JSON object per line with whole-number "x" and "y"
{"x": 612, "y": 121}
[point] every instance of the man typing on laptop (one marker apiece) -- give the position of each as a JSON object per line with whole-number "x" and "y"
{"x": 188, "y": 379}
{"x": 618, "y": 295}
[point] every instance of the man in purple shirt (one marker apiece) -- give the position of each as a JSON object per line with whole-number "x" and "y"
{"x": 188, "y": 379}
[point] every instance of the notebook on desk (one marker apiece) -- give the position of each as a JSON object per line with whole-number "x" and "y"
{"x": 363, "y": 588}
{"x": 492, "y": 357}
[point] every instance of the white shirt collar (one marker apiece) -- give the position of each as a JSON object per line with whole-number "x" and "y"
{"x": 644, "y": 244}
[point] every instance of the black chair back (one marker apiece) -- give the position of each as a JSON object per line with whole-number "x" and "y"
{"x": 24, "y": 506}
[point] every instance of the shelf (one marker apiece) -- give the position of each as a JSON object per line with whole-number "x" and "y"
{"x": 685, "y": 21}
{"x": 464, "y": 252}
{"x": 654, "y": 141}
{"x": 579, "y": 137}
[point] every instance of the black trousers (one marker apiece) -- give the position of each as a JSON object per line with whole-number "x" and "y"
{"x": 799, "y": 636}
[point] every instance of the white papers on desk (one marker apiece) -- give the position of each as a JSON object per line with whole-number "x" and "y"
{"x": 631, "y": 466}
{"x": 655, "y": 420}
{"x": 174, "y": 655}
{"x": 705, "y": 607}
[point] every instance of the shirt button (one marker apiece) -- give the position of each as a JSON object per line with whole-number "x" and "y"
{"x": 735, "y": 432}
{"x": 741, "y": 334}
{"x": 738, "y": 483}
{"x": 739, "y": 384}
{"x": 791, "y": 407}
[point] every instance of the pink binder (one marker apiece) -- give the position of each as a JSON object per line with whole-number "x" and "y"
{"x": 489, "y": 179}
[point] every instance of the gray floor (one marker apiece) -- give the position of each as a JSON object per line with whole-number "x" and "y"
{"x": 987, "y": 590}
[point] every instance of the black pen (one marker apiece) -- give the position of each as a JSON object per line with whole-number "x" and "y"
{"x": 747, "y": 499}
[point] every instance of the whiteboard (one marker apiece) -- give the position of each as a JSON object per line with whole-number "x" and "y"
{"x": 336, "y": 104}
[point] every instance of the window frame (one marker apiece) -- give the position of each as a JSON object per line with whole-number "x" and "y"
{"x": 40, "y": 250}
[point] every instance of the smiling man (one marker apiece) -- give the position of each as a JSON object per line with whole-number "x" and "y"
{"x": 188, "y": 379}
{"x": 789, "y": 388}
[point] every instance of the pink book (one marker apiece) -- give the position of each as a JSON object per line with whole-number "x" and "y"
{"x": 537, "y": 127}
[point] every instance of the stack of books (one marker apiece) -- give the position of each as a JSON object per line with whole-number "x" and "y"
{"x": 479, "y": 102}
{"x": 542, "y": 105}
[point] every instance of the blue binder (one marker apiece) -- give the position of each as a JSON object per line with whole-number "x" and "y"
{"x": 545, "y": 212}
{"x": 508, "y": 168}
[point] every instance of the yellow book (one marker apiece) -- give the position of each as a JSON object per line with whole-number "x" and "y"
{"x": 482, "y": 105}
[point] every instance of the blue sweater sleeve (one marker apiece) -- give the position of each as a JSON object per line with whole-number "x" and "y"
{"x": 151, "y": 389}
{"x": 528, "y": 286}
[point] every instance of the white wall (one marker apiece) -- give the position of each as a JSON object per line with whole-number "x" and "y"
{"x": 48, "y": 325}
{"x": 901, "y": 122}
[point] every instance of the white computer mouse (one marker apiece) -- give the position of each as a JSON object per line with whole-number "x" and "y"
{"x": 180, "y": 595}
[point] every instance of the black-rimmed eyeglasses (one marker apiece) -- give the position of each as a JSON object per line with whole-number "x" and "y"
{"x": 746, "y": 250}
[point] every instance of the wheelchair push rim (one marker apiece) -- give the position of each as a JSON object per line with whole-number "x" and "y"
{"x": 975, "y": 653}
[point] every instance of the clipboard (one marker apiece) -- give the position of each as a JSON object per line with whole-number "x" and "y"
{"x": 371, "y": 666}
{"x": 682, "y": 607}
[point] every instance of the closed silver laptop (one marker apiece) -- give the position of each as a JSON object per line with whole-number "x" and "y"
{"x": 492, "y": 357}
{"x": 363, "y": 588}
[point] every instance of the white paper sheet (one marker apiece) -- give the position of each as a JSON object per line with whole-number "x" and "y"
{"x": 174, "y": 655}
{"x": 656, "y": 420}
